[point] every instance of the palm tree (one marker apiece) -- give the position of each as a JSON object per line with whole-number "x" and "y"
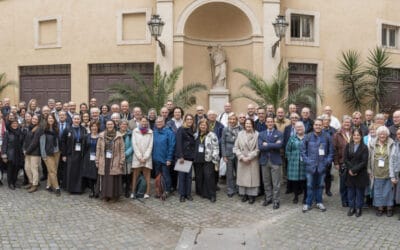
{"x": 275, "y": 91}
{"x": 155, "y": 95}
{"x": 352, "y": 75}
{"x": 3, "y": 83}
{"x": 377, "y": 70}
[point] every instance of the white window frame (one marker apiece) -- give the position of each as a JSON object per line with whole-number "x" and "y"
{"x": 389, "y": 26}
{"x": 313, "y": 41}
{"x": 36, "y": 25}
{"x": 120, "y": 28}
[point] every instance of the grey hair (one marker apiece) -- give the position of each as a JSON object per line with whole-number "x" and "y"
{"x": 383, "y": 129}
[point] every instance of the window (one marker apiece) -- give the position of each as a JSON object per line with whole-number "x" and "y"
{"x": 301, "y": 27}
{"x": 389, "y": 36}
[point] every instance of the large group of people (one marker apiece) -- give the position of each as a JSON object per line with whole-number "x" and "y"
{"x": 111, "y": 150}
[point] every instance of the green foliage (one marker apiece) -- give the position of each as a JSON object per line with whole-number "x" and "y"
{"x": 156, "y": 94}
{"x": 3, "y": 83}
{"x": 275, "y": 91}
{"x": 377, "y": 70}
{"x": 351, "y": 74}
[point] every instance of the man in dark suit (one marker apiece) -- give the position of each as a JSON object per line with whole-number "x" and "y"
{"x": 270, "y": 142}
{"x": 62, "y": 168}
{"x": 307, "y": 121}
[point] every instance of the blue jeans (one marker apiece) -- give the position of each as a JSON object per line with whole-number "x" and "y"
{"x": 342, "y": 187}
{"x": 315, "y": 187}
{"x": 356, "y": 197}
{"x": 185, "y": 183}
{"x": 164, "y": 170}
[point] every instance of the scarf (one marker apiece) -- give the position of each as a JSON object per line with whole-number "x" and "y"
{"x": 109, "y": 137}
{"x": 143, "y": 130}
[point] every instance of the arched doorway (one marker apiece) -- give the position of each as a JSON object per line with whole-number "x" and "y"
{"x": 230, "y": 24}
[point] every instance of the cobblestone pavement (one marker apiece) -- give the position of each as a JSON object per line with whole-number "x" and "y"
{"x": 43, "y": 221}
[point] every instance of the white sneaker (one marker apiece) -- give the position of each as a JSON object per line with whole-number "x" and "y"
{"x": 133, "y": 196}
{"x": 146, "y": 196}
{"x": 306, "y": 208}
{"x": 321, "y": 207}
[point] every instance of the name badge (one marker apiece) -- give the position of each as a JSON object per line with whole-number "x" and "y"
{"x": 321, "y": 151}
{"x": 92, "y": 156}
{"x": 77, "y": 146}
{"x": 201, "y": 148}
{"x": 108, "y": 154}
{"x": 381, "y": 163}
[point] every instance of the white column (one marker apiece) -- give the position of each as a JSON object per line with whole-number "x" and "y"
{"x": 165, "y": 8}
{"x": 271, "y": 11}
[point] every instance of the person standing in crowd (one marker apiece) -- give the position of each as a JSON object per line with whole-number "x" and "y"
{"x": 3, "y": 130}
{"x": 137, "y": 116}
{"x": 292, "y": 109}
{"x": 241, "y": 120}
{"x": 379, "y": 162}
{"x": 317, "y": 153}
{"x": 33, "y": 107}
{"x": 394, "y": 166}
{"x": 5, "y": 109}
{"x": 163, "y": 151}
{"x": 104, "y": 116}
{"x": 92, "y": 103}
{"x": 199, "y": 114}
{"x": 307, "y": 121}
{"x": 270, "y": 142}
{"x": 251, "y": 112}
{"x": 62, "y": 166}
{"x": 164, "y": 114}
{"x": 85, "y": 117}
{"x": 369, "y": 118}
{"x": 357, "y": 123}
{"x": 356, "y": 164}
{"x": 260, "y": 122}
{"x": 379, "y": 119}
{"x": 216, "y": 127}
{"x": 142, "y": 142}
{"x": 340, "y": 140}
{"x": 185, "y": 150}
{"x": 176, "y": 122}
{"x": 72, "y": 153}
{"x": 116, "y": 118}
{"x": 205, "y": 157}
{"x": 31, "y": 148}
{"x": 290, "y": 129}
{"x": 50, "y": 152}
{"x": 125, "y": 114}
{"x": 330, "y": 131}
{"x": 152, "y": 116}
{"x": 11, "y": 152}
{"x": 396, "y": 124}
{"x": 83, "y": 108}
{"x": 89, "y": 169}
{"x": 280, "y": 120}
{"x": 296, "y": 169}
{"x": 229, "y": 135}
{"x": 110, "y": 160}
{"x": 248, "y": 170}
{"x": 27, "y": 120}
{"x": 127, "y": 171}
{"x": 333, "y": 121}
{"x": 224, "y": 116}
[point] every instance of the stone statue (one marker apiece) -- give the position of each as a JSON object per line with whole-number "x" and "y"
{"x": 218, "y": 66}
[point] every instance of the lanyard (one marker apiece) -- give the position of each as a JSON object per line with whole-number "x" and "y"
{"x": 77, "y": 134}
{"x": 202, "y": 137}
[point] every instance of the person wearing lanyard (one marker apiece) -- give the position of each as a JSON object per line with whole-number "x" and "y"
{"x": 89, "y": 170}
{"x": 340, "y": 140}
{"x": 378, "y": 168}
{"x": 3, "y": 166}
{"x": 110, "y": 160}
{"x": 394, "y": 167}
{"x": 72, "y": 153}
{"x": 205, "y": 157}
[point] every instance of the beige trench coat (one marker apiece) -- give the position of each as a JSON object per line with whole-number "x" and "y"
{"x": 246, "y": 145}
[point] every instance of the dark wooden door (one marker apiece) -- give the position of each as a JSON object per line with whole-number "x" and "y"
{"x": 102, "y": 76}
{"x": 302, "y": 74}
{"x": 44, "y": 82}
{"x": 391, "y": 100}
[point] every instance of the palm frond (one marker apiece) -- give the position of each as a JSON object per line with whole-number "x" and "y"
{"x": 3, "y": 83}
{"x": 305, "y": 95}
{"x": 184, "y": 97}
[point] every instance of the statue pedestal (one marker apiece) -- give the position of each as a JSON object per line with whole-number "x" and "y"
{"x": 217, "y": 99}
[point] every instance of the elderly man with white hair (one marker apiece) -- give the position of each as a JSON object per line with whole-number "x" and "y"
{"x": 396, "y": 120}
{"x": 335, "y": 123}
{"x": 223, "y": 117}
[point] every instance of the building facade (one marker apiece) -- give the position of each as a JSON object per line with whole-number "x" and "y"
{"x": 73, "y": 50}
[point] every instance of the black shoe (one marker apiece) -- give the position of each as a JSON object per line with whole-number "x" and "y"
{"x": 389, "y": 213}
{"x": 252, "y": 199}
{"x": 296, "y": 200}
{"x": 245, "y": 198}
{"x": 11, "y": 186}
{"x": 182, "y": 199}
{"x": 213, "y": 199}
{"x": 351, "y": 211}
{"x": 344, "y": 204}
{"x": 276, "y": 205}
{"x": 267, "y": 202}
{"x": 230, "y": 195}
{"x": 189, "y": 197}
{"x": 328, "y": 193}
{"x": 58, "y": 192}
{"x": 358, "y": 212}
{"x": 1, "y": 183}
{"x": 379, "y": 213}
{"x": 217, "y": 188}
{"x": 49, "y": 189}
{"x": 288, "y": 191}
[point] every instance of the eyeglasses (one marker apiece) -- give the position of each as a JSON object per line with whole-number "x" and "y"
{"x": 242, "y": 117}
{"x": 294, "y": 118}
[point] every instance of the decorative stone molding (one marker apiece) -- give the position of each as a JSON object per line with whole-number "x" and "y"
{"x": 36, "y": 27}
{"x": 120, "y": 19}
{"x": 379, "y": 23}
{"x": 315, "y": 41}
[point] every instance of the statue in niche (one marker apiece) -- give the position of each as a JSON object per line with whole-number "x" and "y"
{"x": 218, "y": 65}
